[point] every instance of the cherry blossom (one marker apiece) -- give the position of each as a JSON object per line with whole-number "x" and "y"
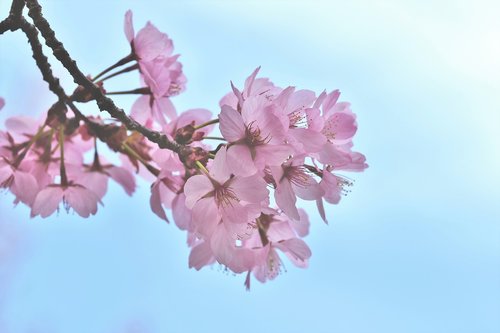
{"x": 75, "y": 196}
{"x": 233, "y": 178}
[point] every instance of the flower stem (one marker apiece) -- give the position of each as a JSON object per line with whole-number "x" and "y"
{"x": 208, "y": 123}
{"x": 138, "y": 157}
{"x": 201, "y": 167}
{"x": 125, "y": 70}
{"x": 64, "y": 177}
{"x": 213, "y": 138}
{"x": 119, "y": 63}
{"x": 35, "y": 138}
{"x": 142, "y": 91}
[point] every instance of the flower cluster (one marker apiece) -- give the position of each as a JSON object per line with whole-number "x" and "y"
{"x": 236, "y": 200}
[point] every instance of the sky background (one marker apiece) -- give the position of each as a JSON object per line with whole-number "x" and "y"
{"x": 414, "y": 248}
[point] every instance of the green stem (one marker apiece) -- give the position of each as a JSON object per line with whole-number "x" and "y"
{"x": 201, "y": 167}
{"x": 138, "y": 157}
{"x": 213, "y": 138}
{"x": 208, "y": 123}
{"x": 21, "y": 156}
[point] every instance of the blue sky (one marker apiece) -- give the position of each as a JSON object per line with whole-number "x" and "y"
{"x": 414, "y": 248}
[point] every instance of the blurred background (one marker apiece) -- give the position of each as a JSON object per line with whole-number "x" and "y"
{"x": 414, "y": 248}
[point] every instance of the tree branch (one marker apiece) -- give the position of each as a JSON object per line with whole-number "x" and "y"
{"x": 12, "y": 21}
{"x": 41, "y": 60}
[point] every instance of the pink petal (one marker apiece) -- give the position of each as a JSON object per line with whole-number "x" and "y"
{"x": 280, "y": 230}
{"x": 82, "y": 200}
{"x": 95, "y": 181}
{"x": 5, "y": 173}
{"x": 311, "y": 191}
{"x": 251, "y": 189}
{"x": 200, "y": 256}
{"x": 321, "y": 210}
{"x": 300, "y": 100}
{"x": 301, "y": 226}
{"x": 315, "y": 121}
{"x": 242, "y": 260}
{"x": 155, "y": 201}
{"x": 330, "y": 100}
{"x": 195, "y": 188}
{"x": 240, "y": 162}
{"x": 249, "y": 81}
{"x": 332, "y": 190}
{"x": 285, "y": 199}
{"x": 141, "y": 109}
{"x": 331, "y": 154}
{"x": 297, "y": 250}
{"x": 150, "y": 43}
{"x": 222, "y": 245}
{"x": 128, "y": 26}
{"x": 123, "y": 177}
{"x": 239, "y": 98}
{"x": 271, "y": 155}
{"x": 163, "y": 107}
{"x": 231, "y": 124}
{"x": 2, "y": 103}
{"x": 22, "y": 125}
{"x": 310, "y": 140}
{"x": 219, "y": 168}
{"x": 47, "y": 201}
{"x": 205, "y": 216}
{"x": 181, "y": 214}
{"x": 342, "y": 125}
{"x": 198, "y": 116}
{"x": 229, "y": 99}
{"x": 24, "y": 187}
{"x": 320, "y": 99}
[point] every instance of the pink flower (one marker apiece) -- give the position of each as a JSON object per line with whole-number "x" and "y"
{"x": 295, "y": 106}
{"x": 253, "y": 87}
{"x": 163, "y": 76}
{"x": 220, "y": 196}
{"x": 255, "y": 137}
{"x": 22, "y": 184}
{"x": 160, "y": 70}
{"x": 95, "y": 177}
{"x": 147, "y": 110}
{"x": 149, "y": 43}
{"x": 280, "y": 234}
{"x": 82, "y": 200}
{"x": 293, "y": 179}
{"x": 163, "y": 191}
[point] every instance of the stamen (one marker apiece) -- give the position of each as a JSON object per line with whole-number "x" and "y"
{"x": 297, "y": 175}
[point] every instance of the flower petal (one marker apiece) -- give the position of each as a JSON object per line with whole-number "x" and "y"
{"x": 82, "y": 200}
{"x": 231, "y": 124}
{"x": 195, "y": 188}
{"x": 240, "y": 162}
{"x": 205, "y": 216}
{"x": 128, "y": 26}
{"x": 47, "y": 201}
{"x": 201, "y": 255}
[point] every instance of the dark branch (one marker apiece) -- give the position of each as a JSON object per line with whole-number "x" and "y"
{"x": 104, "y": 103}
{"x": 44, "y": 66}
{"x": 13, "y": 20}
{"x": 41, "y": 60}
